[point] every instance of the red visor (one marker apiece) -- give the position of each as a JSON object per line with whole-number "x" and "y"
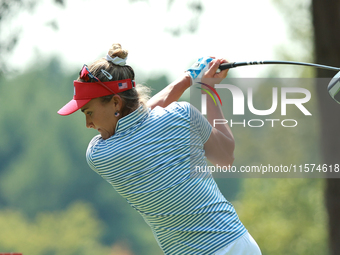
{"x": 85, "y": 91}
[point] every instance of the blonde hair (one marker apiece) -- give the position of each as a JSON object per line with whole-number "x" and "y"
{"x": 132, "y": 98}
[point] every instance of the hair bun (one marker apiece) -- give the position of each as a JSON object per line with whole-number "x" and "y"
{"x": 117, "y": 51}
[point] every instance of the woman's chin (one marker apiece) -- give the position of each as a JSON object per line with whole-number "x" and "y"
{"x": 105, "y": 135}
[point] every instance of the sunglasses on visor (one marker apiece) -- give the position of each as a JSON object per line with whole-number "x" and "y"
{"x": 86, "y": 75}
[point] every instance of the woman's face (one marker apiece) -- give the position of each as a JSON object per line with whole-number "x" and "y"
{"x": 101, "y": 116}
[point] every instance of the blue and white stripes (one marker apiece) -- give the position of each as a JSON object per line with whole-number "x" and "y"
{"x": 150, "y": 161}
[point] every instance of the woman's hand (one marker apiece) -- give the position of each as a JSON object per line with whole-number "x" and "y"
{"x": 211, "y": 76}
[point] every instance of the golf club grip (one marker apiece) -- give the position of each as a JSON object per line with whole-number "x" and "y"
{"x": 236, "y": 64}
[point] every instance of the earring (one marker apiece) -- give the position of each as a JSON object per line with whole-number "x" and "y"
{"x": 116, "y": 114}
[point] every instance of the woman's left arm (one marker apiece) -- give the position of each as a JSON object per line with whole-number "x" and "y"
{"x": 170, "y": 93}
{"x": 219, "y": 148}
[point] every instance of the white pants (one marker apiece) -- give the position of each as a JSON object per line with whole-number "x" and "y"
{"x": 245, "y": 245}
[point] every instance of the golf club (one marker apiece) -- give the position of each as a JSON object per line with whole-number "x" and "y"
{"x": 333, "y": 86}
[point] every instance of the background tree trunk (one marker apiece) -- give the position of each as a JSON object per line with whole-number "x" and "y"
{"x": 326, "y": 21}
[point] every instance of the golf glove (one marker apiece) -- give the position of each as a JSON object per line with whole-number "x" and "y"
{"x": 197, "y": 70}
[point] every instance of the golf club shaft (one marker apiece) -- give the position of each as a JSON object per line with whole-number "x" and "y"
{"x": 236, "y": 64}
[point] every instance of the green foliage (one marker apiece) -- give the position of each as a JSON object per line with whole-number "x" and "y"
{"x": 285, "y": 216}
{"x": 74, "y": 231}
{"x": 300, "y": 26}
{"x": 300, "y": 46}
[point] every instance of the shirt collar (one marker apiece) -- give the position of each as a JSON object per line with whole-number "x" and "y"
{"x": 132, "y": 119}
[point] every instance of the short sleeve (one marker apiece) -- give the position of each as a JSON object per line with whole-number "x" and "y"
{"x": 90, "y": 152}
{"x": 199, "y": 123}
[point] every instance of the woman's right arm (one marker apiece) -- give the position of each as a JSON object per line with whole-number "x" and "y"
{"x": 174, "y": 91}
{"x": 170, "y": 93}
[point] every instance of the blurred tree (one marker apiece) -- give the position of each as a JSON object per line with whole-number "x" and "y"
{"x": 314, "y": 25}
{"x": 326, "y": 21}
{"x": 75, "y": 231}
{"x": 285, "y": 216}
{"x": 9, "y": 9}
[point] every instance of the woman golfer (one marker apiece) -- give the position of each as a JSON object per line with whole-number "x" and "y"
{"x": 149, "y": 150}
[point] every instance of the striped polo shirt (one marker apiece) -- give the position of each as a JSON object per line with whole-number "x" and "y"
{"x": 151, "y": 161}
